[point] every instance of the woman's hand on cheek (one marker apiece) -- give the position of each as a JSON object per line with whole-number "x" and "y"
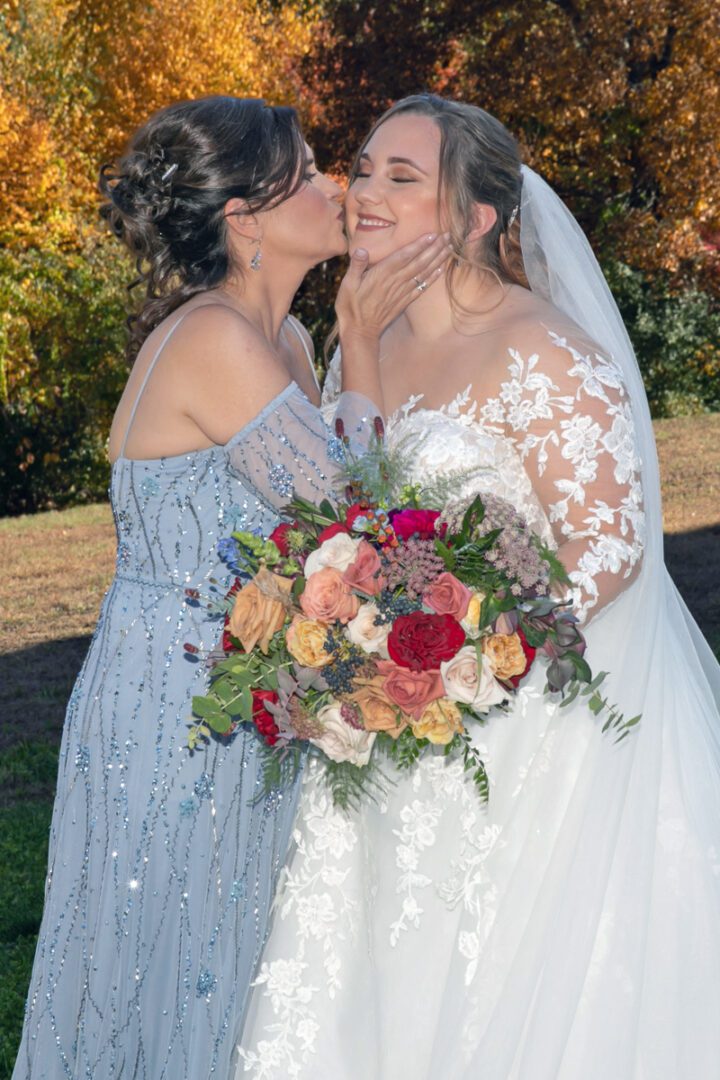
{"x": 371, "y": 297}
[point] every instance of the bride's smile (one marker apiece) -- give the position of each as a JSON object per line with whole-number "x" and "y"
{"x": 393, "y": 194}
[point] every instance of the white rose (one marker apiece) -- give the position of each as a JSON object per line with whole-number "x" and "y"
{"x": 363, "y": 632}
{"x": 339, "y": 740}
{"x": 471, "y": 682}
{"x": 339, "y": 551}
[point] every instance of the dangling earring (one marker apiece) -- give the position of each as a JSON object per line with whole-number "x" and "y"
{"x": 256, "y": 260}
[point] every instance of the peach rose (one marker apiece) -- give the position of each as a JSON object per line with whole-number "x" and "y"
{"x": 410, "y": 690}
{"x": 327, "y": 597}
{"x": 441, "y": 720}
{"x": 506, "y": 654}
{"x": 260, "y": 609}
{"x": 363, "y": 572}
{"x": 448, "y": 596}
{"x": 378, "y": 712}
{"x": 305, "y": 639}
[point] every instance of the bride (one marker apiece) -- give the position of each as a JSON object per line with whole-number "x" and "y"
{"x": 570, "y": 929}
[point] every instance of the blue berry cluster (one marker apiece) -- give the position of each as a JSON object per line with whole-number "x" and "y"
{"x": 391, "y": 604}
{"x": 340, "y": 674}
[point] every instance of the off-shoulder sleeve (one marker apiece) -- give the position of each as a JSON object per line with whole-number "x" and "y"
{"x": 288, "y": 449}
{"x": 567, "y": 412}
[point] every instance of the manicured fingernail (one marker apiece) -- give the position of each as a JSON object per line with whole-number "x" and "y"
{"x": 431, "y": 237}
{"x": 361, "y": 253}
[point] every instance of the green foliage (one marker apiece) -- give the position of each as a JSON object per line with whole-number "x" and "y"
{"x": 61, "y": 373}
{"x": 676, "y": 336}
{"x": 351, "y": 784}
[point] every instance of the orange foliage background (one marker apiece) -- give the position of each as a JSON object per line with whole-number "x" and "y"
{"x": 615, "y": 102}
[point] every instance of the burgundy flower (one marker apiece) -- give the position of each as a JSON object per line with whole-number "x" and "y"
{"x": 353, "y": 512}
{"x": 332, "y": 530}
{"x": 279, "y": 538}
{"x": 420, "y": 641}
{"x": 420, "y": 523}
{"x": 262, "y": 719}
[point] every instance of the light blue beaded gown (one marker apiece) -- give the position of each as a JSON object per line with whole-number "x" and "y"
{"x": 161, "y": 872}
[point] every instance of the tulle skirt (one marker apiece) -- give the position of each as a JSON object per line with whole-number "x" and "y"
{"x": 568, "y": 931}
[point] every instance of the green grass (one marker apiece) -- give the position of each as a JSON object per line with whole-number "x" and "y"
{"x": 24, "y": 832}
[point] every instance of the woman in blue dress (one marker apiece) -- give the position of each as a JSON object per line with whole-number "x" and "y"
{"x": 162, "y": 866}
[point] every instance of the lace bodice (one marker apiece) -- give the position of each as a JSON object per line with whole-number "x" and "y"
{"x": 556, "y": 439}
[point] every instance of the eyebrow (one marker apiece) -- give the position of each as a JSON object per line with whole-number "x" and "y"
{"x": 399, "y": 161}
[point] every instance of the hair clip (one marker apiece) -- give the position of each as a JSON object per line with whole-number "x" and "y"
{"x": 513, "y": 215}
{"x": 169, "y": 172}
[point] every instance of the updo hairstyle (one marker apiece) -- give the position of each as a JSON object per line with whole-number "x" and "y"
{"x": 167, "y": 193}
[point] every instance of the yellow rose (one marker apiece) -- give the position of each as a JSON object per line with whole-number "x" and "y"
{"x": 471, "y": 622}
{"x": 378, "y": 712}
{"x": 506, "y": 653}
{"x": 260, "y": 609}
{"x": 305, "y": 639}
{"x": 440, "y": 721}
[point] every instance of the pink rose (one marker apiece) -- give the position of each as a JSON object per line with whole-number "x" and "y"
{"x": 410, "y": 690}
{"x": 448, "y": 596}
{"x": 420, "y": 523}
{"x": 326, "y": 597}
{"x": 363, "y": 572}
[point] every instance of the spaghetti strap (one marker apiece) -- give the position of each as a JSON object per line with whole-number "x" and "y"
{"x": 295, "y": 325}
{"x": 148, "y": 373}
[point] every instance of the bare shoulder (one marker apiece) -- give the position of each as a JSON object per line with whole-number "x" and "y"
{"x": 223, "y": 370}
{"x": 215, "y": 336}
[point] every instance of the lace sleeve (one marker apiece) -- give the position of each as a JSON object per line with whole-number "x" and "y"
{"x": 288, "y": 449}
{"x": 567, "y": 412}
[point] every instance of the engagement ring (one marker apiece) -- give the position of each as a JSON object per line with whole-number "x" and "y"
{"x": 421, "y": 285}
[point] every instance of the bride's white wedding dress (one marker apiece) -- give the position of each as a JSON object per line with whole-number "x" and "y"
{"x": 571, "y": 928}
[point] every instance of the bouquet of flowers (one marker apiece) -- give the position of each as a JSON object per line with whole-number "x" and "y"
{"x": 384, "y": 624}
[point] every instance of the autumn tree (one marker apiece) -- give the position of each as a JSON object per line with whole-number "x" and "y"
{"x": 614, "y": 101}
{"x": 76, "y": 77}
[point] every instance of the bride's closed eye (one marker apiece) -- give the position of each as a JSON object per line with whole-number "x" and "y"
{"x": 394, "y": 179}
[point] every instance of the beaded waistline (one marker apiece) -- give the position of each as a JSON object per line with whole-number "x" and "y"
{"x": 149, "y": 583}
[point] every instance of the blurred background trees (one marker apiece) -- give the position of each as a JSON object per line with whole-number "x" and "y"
{"x": 614, "y": 102}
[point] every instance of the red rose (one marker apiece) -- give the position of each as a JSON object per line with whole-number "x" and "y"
{"x": 529, "y": 657}
{"x": 279, "y": 537}
{"x": 353, "y": 512}
{"x": 262, "y": 719}
{"x": 419, "y": 641}
{"x": 332, "y": 530}
{"x": 420, "y": 523}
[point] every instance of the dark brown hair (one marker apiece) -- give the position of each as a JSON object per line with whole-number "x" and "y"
{"x": 166, "y": 195}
